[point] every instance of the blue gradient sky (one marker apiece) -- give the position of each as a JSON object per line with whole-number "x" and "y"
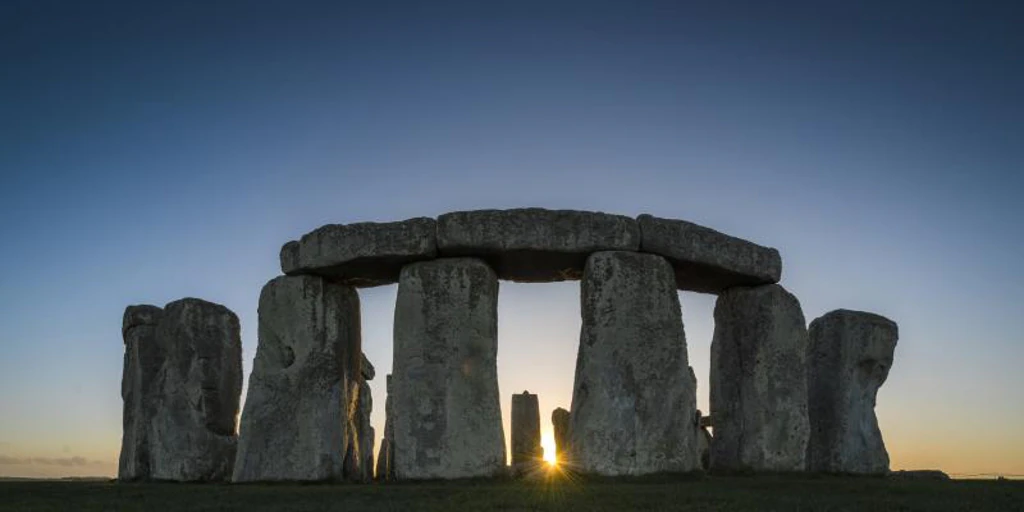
{"x": 150, "y": 152}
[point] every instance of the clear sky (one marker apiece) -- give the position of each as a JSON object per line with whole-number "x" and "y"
{"x": 155, "y": 150}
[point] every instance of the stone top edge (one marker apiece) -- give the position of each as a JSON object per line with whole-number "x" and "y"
{"x": 852, "y": 313}
{"x": 646, "y": 216}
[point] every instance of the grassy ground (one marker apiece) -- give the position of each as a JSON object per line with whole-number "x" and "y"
{"x": 712, "y": 493}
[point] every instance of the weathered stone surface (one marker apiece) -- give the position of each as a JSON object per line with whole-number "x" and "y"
{"x": 534, "y": 244}
{"x": 560, "y": 424}
{"x": 849, "y": 358}
{"x": 359, "y": 454}
{"x": 633, "y": 393}
{"x": 368, "y": 371}
{"x": 300, "y": 403}
{"x": 759, "y": 381}
{"x": 386, "y": 457}
{"x": 446, "y": 408}
{"x": 705, "y": 260}
{"x": 361, "y": 254}
{"x": 143, "y": 358}
{"x": 527, "y": 453}
{"x": 195, "y": 394}
{"x": 703, "y": 442}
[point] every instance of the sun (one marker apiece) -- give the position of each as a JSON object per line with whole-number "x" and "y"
{"x": 548, "y": 443}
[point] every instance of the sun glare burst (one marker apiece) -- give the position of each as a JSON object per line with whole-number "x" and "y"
{"x": 548, "y": 443}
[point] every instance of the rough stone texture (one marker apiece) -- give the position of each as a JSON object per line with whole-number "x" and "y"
{"x": 143, "y": 358}
{"x": 307, "y": 367}
{"x": 705, "y": 260}
{"x": 534, "y": 244}
{"x": 759, "y": 381}
{"x": 192, "y": 400}
{"x": 703, "y": 442}
{"x": 359, "y": 454}
{"x": 446, "y": 408}
{"x": 849, "y": 358}
{"x": 632, "y": 391}
{"x": 560, "y": 423}
{"x": 527, "y": 452}
{"x": 361, "y": 254}
{"x": 386, "y": 457}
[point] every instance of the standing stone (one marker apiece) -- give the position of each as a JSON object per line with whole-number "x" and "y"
{"x": 385, "y": 459}
{"x": 359, "y": 457}
{"x": 703, "y": 442}
{"x": 447, "y": 411}
{"x": 633, "y": 392}
{"x": 527, "y": 452}
{"x": 849, "y": 359}
{"x": 560, "y": 424}
{"x": 192, "y": 432}
{"x": 142, "y": 361}
{"x": 759, "y": 381}
{"x": 300, "y": 403}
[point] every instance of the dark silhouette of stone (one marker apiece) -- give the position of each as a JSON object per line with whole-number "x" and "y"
{"x": 560, "y": 422}
{"x": 534, "y": 244}
{"x": 527, "y": 453}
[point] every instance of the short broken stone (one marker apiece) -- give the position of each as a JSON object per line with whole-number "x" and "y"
{"x": 706, "y": 260}
{"x": 534, "y": 244}
{"x": 560, "y": 425}
{"x": 527, "y": 452}
{"x": 849, "y": 358}
{"x": 361, "y": 254}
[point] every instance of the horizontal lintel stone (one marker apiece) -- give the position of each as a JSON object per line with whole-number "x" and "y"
{"x": 361, "y": 254}
{"x": 535, "y": 244}
{"x": 706, "y": 260}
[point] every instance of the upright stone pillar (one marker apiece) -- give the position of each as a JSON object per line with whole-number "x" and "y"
{"x": 386, "y": 456}
{"x": 446, "y": 406}
{"x": 527, "y": 452}
{"x": 849, "y": 359}
{"x": 759, "y": 381}
{"x": 192, "y": 433}
{"x": 359, "y": 456}
{"x": 560, "y": 424}
{"x": 143, "y": 358}
{"x": 306, "y": 371}
{"x": 633, "y": 397}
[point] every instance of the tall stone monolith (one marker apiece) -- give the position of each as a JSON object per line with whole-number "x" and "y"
{"x": 181, "y": 386}
{"x": 560, "y": 425}
{"x": 527, "y": 453}
{"x": 633, "y": 395}
{"x": 140, "y": 390}
{"x": 446, "y": 406}
{"x": 759, "y": 381}
{"x": 302, "y": 390}
{"x": 850, "y": 356}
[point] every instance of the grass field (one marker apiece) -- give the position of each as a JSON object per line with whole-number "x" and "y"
{"x": 711, "y": 493}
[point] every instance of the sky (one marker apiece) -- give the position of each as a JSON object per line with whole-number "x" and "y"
{"x": 156, "y": 150}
